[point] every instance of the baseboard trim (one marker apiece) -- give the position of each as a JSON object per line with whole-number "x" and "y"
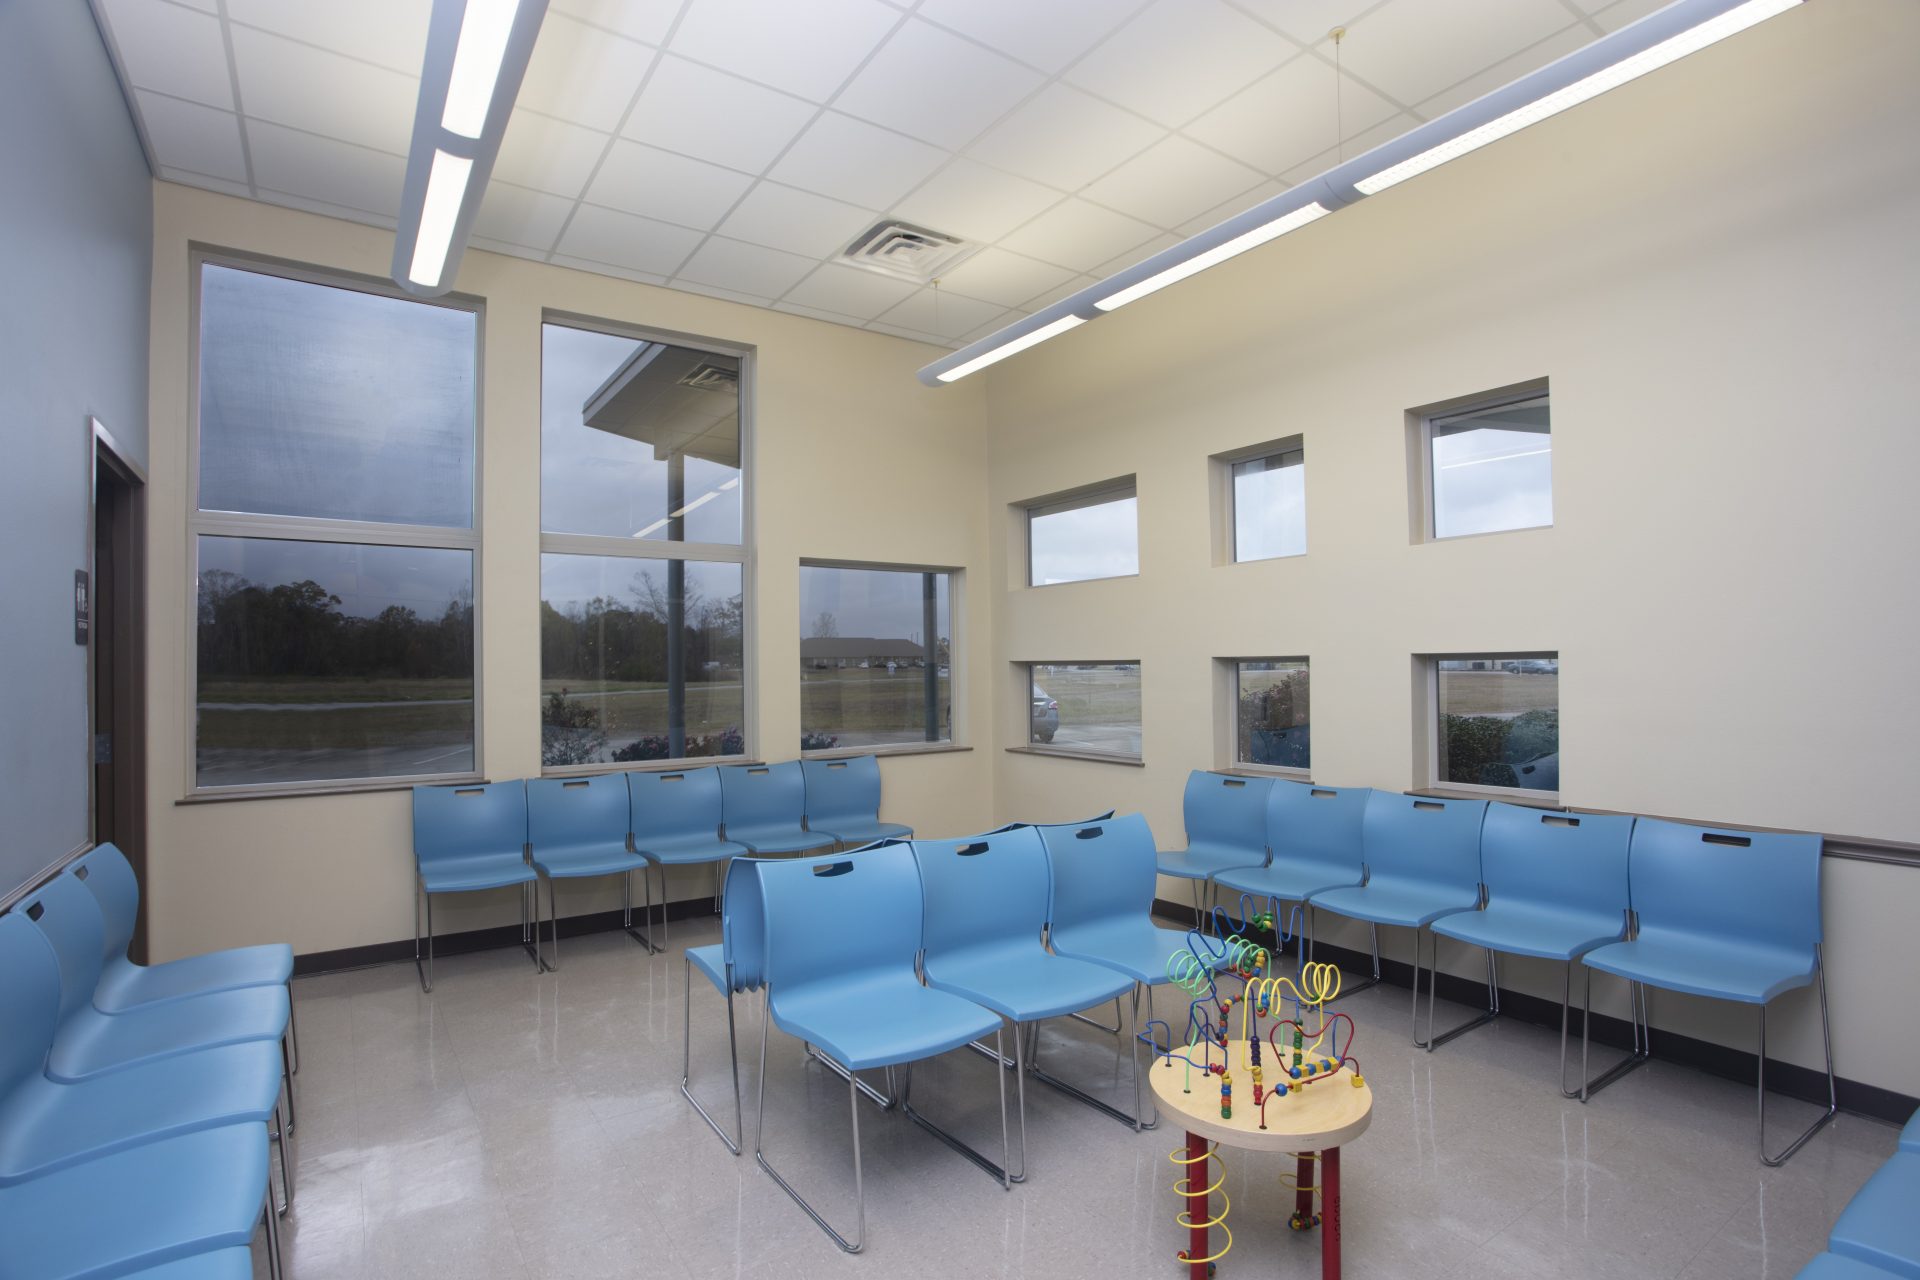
{"x": 1786, "y": 1078}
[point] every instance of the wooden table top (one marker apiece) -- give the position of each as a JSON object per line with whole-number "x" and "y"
{"x": 1330, "y": 1112}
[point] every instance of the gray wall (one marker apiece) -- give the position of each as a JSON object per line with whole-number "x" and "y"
{"x": 76, "y": 236}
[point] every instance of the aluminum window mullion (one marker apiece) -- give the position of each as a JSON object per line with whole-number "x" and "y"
{"x": 225, "y": 524}
{"x": 589, "y": 544}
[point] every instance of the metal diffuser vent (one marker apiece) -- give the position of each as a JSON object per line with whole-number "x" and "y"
{"x": 907, "y": 252}
{"x": 711, "y": 377}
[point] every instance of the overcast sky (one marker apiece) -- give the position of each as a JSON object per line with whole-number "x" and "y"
{"x": 1087, "y": 542}
{"x": 568, "y": 583}
{"x": 1488, "y": 479}
{"x": 863, "y": 602}
{"x": 366, "y": 578}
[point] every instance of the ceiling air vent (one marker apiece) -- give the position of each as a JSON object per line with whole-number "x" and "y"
{"x": 907, "y": 252}
{"x": 711, "y": 377}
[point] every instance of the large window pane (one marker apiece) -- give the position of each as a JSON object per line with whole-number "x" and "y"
{"x": 1271, "y": 716}
{"x": 331, "y": 403}
{"x": 1091, "y": 537}
{"x": 1500, "y": 722}
{"x": 1493, "y": 470}
{"x": 1270, "y": 506}
{"x": 638, "y": 439}
{"x": 1087, "y": 707}
{"x": 327, "y": 660}
{"x": 875, "y": 657}
{"x": 639, "y": 659}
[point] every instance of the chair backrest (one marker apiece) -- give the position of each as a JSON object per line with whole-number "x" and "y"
{"x": 577, "y": 813}
{"x": 743, "y": 925}
{"x": 841, "y": 789}
{"x": 839, "y": 918}
{"x": 1570, "y": 861}
{"x": 457, "y": 822}
{"x": 985, "y": 890}
{"x": 680, "y": 805}
{"x": 762, "y": 795}
{"x": 1048, "y": 826}
{"x": 116, "y": 891}
{"x": 1318, "y": 826}
{"x": 1748, "y": 886}
{"x": 69, "y": 919}
{"x": 1417, "y": 840}
{"x": 1101, "y": 871}
{"x": 29, "y": 1000}
{"x": 1223, "y": 811}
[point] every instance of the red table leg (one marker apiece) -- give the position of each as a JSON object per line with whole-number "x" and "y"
{"x": 1330, "y": 1214}
{"x": 1303, "y": 1194}
{"x": 1198, "y": 1179}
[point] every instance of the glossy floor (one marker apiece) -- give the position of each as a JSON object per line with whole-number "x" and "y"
{"x": 531, "y": 1126}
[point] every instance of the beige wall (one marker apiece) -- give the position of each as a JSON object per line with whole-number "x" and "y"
{"x": 1716, "y": 269}
{"x": 854, "y": 460}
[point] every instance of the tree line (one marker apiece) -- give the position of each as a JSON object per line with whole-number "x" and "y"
{"x": 298, "y": 629}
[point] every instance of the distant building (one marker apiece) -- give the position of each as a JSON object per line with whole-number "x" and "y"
{"x": 825, "y": 653}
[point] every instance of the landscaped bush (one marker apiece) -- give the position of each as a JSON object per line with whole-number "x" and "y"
{"x": 812, "y": 740}
{"x": 730, "y": 741}
{"x": 570, "y": 732}
{"x": 1485, "y": 749}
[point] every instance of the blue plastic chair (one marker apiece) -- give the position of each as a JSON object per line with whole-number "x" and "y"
{"x": 1831, "y": 1266}
{"x": 1556, "y": 888}
{"x": 985, "y": 912}
{"x": 1734, "y": 915}
{"x": 1879, "y": 1226}
{"x": 576, "y": 829}
{"x": 1423, "y": 862}
{"x": 1226, "y": 819}
{"x": 1046, "y": 826}
{"x": 1315, "y": 836}
{"x": 1910, "y": 1136}
{"x": 843, "y": 801}
{"x": 675, "y": 819}
{"x": 735, "y": 964}
{"x": 467, "y": 839}
{"x": 231, "y": 1263}
{"x": 764, "y": 806}
{"x": 842, "y": 936}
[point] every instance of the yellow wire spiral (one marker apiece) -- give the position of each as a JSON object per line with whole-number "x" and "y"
{"x": 1182, "y": 1187}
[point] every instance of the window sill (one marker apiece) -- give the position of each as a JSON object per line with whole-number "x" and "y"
{"x": 1512, "y": 795}
{"x": 293, "y": 791}
{"x": 1065, "y": 753}
{"x": 891, "y": 749}
{"x": 645, "y": 766}
{"x": 1244, "y": 770}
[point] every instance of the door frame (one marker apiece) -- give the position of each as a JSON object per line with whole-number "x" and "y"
{"x": 127, "y": 609}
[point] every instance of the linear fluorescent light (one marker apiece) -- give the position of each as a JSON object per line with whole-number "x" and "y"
{"x": 1669, "y": 50}
{"x": 476, "y": 65}
{"x": 1215, "y": 256}
{"x": 1012, "y": 348}
{"x": 446, "y": 189}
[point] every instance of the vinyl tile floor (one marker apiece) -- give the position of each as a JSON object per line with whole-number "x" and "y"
{"x": 526, "y": 1125}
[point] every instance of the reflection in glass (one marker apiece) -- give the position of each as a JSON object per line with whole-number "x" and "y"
{"x": 334, "y": 404}
{"x": 638, "y": 439}
{"x": 875, "y": 657}
{"x": 1493, "y": 470}
{"x": 639, "y": 660}
{"x": 1087, "y": 707}
{"x": 1273, "y": 724}
{"x": 1093, "y": 537}
{"x": 327, "y": 660}
{"x": 1500, "y": 722}
{"x": 1270, "y": 506}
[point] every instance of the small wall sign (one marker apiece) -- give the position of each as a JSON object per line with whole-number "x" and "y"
{"x": 82, "y": 611}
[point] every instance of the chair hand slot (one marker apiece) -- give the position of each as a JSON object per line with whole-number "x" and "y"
{"x": 1428, "y": 804}
{"x": 973, "y": 850}
{"x": 838, "y": 764}
{"x": 1714, "y": 837}
{"x": 1322, "y": 793}
{"x": 35, "y": 911}
{"x": 469, "y": 791}
{"x": 568, "y": 786}
{"x": 833, "y": 869}
{"x": 1558, "y": 820}
{"x": 1087, "y": 833}
{"x": 1233, "y": 782}
{"x": 80, "y": 873}
{"x": 673, "y": 777}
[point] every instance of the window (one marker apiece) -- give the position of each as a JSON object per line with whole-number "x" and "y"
{"x": 1270, "y": 505}
{"x": 1086, "y": 706}
{"x": 642, "y": 572}
{"x": 1491, "y": 469}
{"x": 1498, "y": 721}
{"x": 333, "y": 533}
{"x": 1090, "y": 535}
{"x": 1271, "y": 721}
{"x": 876, "y": 657}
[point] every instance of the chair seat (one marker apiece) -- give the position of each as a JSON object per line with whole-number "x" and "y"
{"x": 1704, "y": 966}
{"x": 573, "y": 862}
{"x": 1202, "y": 861}
{"x": 222, "y": 1264}
{"x": 1289, "y": 879}
{"x": 1831, "y": 1266}
{"x": 851, "y": 831}
{"x": 476, "y": 871}
{"x": 779, "y": 839}
{"x": 92, "y": 1043}
{"x": 1879, "y": 1226}
{"x": 710, "y": 960}
{"x": 140, "y": 1207}
{"x": 881, "y": 1021}
{"x": 1409, "y": 905}
{"x": 1026, "y": 985}
{"x": 46, "y": 1126}
{"x": 125, "y": 984}
{"x": 1137, "y": 948}
{"x": 1525, "y": 929}
{"x": 681, "y": 851}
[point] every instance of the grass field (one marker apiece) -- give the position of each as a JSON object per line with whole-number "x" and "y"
{"x": 1099, "y": 709}
{"x": 629, "y": 710}
{"x": 1496, "y": 693}
{"x": 856, "y": 705}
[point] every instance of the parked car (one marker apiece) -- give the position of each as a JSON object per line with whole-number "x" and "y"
{"x": 1534, "y": 667}
{"x": 1046, "y": 716}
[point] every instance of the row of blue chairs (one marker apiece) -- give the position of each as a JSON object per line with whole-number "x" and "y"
{"x": 1878, "y": 1234}
{"x": 1732, "y": 915}
{"x": 528, "y": 832}
{"x": 138, "y": 1104}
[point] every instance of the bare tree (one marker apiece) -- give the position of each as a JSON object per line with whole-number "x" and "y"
{"x": 825, "y": 625}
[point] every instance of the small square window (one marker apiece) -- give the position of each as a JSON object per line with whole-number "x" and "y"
{"x": 1090, "y": 535}
{"x": 1491, "y": 469}
{"x": 1086, "y": 706}
{"x": 876, "y": 656}
{"x": 1270, "y": 505}
{"x": 1271, "y": 723}
{"x": 1497, "y": 721}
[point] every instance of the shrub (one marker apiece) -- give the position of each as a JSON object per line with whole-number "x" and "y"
{"x": 570, "y": 732}
{"x": 813, "y": 740}
{"x": 730, "y": 741}
{"x": 1273, "y": 724}
{"x": 1485, "y": 749}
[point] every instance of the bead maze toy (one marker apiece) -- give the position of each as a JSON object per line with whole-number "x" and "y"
{"x": 1305, "y": 1096}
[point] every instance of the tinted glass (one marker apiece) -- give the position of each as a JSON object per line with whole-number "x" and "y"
{"x": 1500, "y": 722}
{"x": 1272, "y": 722}
{"x": 1087, "y": 707}
{"x": 1072, "y": 542}
{"x": 1493, "y": 470}
{"x": 1270, "y": 506}
{"x": 875, "y": 658}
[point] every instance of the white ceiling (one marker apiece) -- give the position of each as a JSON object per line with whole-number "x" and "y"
{"x": 734, "y": 147}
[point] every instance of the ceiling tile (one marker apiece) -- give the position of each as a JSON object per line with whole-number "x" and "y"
{"x": 849, "y": 291}
{"x": 997, "y": 276}
{"x": 1385, "y": 131}
{"x": 392, "y": 33}
{"x": 660, "y": 184}
{"x": 700, "y": 112}
{"x": 685, "y": 285}
{"x": 337, "y": 173}
{"x": 1180, "y": 57}
{"x": 606, "y": 268}
{"x": 204, "y": 182}
{"x": 172, "y": 50}
{"x": 1228, "y": 208}
{"x": 647, "y": 20}
{"x": 186, "y": 135}
{"x": 582, "y": 74}
{"x": 809, "y": 49}
{"x": 1503, "y": 73}
{"x": 911, "y": 335}
{"x": 1289, "y": 116}
{"x": 1412, "y": 49}
{"x": 1615, "y": 16}
{"x": 857, "y": 162}
{"x": 942, "y": 314}
{"x": 1172, "y": 181}
{"x": 1047, "y": 35}
{"x": 797, "y": 221}
{"x": 606, "y": 235}
{"x": 1139, "y": 253}
{"x": 518, "y": 216}
{"x": 746, "y": 268}
{"x": 1308, "y": 21}
{"x": 1041, "y": 301}
{"x": 935, "y": 86}
{"x": 324, "y": 93}
{"x": 1065, "y": 138}
{"x": 1078, "y": 235}
{"x": 815, "y": 313}
{"x": 974, "y": 202}
{"x": 547, "y": 154}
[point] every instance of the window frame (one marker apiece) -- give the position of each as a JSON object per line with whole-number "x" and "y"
{"x": 1227, "y": 508}
{"x": 1027, "y": 746}
{"x": 590, "y": 544}
{"x": 956, "y": 681}
{"x": 1420, "y": 439}
{"x": 228, "y": 524}
{"x": 1430, "y": 772}
{"x": 1230, "y": 722}
{"x": 1118, "y": 489}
